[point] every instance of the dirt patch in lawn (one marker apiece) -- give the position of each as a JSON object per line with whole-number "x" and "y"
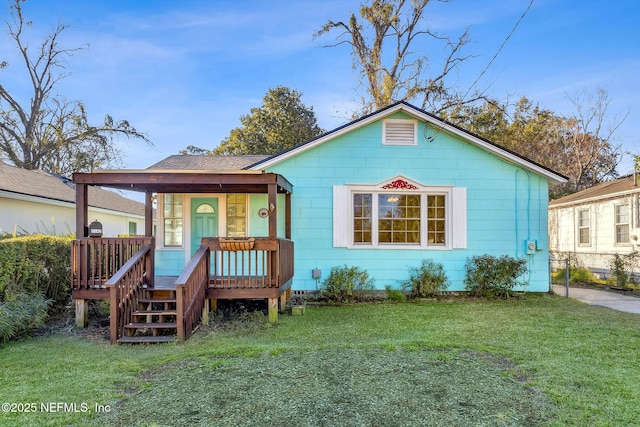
{"x": 357, "y": 387}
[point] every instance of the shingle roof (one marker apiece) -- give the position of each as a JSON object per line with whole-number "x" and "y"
{"x": 610, "y": 188}
{"x": 203, "y": 162}
{"x": 41, "y": 184}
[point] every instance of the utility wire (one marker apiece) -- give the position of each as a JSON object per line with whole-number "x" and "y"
{"x": 513, "y": 30}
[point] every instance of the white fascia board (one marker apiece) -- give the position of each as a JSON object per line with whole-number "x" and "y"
{"x": 36, "y": 199}
{"x": 496, "y": 150}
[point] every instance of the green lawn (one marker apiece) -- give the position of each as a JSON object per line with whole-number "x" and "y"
{"x": 541, "y": 360}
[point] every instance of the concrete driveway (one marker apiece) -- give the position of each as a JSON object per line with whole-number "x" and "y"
{"x": 612, "y": 300}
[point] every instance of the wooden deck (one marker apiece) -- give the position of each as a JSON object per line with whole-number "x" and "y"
{"x": 121, "y": 270}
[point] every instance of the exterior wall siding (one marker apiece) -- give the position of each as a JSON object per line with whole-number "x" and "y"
{"x": 24, "y": 216}
{"x": 169, "y": 262}
{"x": 506, "y": 205}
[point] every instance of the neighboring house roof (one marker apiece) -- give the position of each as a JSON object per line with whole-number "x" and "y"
{"x": 435, "y": 121}
{"x": 611, "y": 189}
{"x": 200, "y": 162}
{"x": 46, "y": 186}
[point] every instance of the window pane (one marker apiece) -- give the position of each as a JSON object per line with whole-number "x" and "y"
{"x": 172, "y": 232}
{"x": 622, "y": 224}
{"x": 583, "y": 227}
{"x": 362, "y": 212}
{"x": 172, "y": 219}
{"x": 622, "y": 233}
{"x": 236, "y": 215}
{"x": 399, "y": 218}
{"x": 436, "y": 220}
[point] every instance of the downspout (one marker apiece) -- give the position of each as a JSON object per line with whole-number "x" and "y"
{"x": 516, "y": 209}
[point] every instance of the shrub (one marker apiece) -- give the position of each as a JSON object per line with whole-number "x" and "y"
{"x": 346, "y": 284}
{"x": 36, "y": 264}
{"x": 394, "y": 294}
{"x": 427, "y": 279}
{"x": 22, "y": 313}
{"x": 490, "y": 276}
{"x": 622, "y": 267}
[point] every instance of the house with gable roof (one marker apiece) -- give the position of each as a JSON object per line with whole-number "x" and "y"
{"x": 591, "y": 226}
{"x": 34, "y": 201}
{"x": 382, "y": 193}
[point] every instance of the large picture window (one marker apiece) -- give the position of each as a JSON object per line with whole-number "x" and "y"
{"x": 399, "y": 214}
{"x": 173, "y": 219}
{"x": 399, "y": 219}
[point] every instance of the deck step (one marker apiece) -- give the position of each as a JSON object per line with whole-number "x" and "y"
{"x": 155, "y": 313}
{"x": 152, "y": 325}
{"x": 161, "y": 300}
{"x": 147, "y": 339}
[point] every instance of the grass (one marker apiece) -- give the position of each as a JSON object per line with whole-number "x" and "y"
{"x": 541, "y": 360}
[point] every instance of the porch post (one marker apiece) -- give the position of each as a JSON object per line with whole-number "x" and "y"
{"x": 148, "y": 214}
{"x": 273, "y": 214}
{"x": 287, "y": 215}
{"x": 82, "y": 213}
{"x": 82, "y": 210}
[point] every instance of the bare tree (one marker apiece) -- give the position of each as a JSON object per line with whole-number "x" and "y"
{"x": 49, "y": 132}
{"x": 587, "y": 139}
{"x": 580, "y": 146}
{"x": 384, "y": 45}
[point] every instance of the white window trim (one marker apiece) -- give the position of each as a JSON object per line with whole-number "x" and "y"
{"x": 387, "y": 122}
{"x": 455, "y": 216}
{"x": 580, "y": 227}
{"x": 616, "y": 224}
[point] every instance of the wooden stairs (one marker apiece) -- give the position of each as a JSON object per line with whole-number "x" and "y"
{"x": 154, "y": 321}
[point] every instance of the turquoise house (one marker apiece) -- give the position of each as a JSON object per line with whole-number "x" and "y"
{"x": 383, "y": 193}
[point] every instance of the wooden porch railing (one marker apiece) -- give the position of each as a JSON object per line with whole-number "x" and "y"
{"x": 125, "y": 288}
{"x": 95, "y": 260}
{"x": 268, "y": 264}
{"x": 191, "y": 288}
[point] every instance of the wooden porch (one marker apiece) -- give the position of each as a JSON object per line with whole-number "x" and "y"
{"x": 122, "y": 269}
{"x": 145, "y": 308}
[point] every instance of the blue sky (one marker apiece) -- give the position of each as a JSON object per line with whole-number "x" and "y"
{"x": 183, "y": 72}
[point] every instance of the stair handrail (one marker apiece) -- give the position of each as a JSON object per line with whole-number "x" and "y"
{"x": 125, "y": 287}
{"x": 191, "y": 288}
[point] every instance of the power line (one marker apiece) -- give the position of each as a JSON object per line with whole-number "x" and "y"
{"x": 513, "y": 30}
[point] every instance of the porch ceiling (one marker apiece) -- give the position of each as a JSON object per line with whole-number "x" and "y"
{"x": 186, "y": 181}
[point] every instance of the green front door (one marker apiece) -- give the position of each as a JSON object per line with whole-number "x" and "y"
{"x": 204, "y": 220}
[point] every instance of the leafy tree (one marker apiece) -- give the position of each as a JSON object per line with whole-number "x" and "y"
{"x": 579, "y": 146}
{"x": 192, "y": 150}
{"x": 282, "y": 122}
{"x": 384, "y": 43}
{"x": 48, "y": 131}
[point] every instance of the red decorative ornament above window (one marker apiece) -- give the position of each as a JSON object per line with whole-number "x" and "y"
{"x": 400, "y": 184}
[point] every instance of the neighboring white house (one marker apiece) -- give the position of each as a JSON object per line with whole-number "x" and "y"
{"x": 592, "y": 225}
{"x": 34, "y": 201}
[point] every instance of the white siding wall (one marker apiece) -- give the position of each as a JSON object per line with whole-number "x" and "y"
{"x": 564, "y": 235}
{"x": 59, "y": 218}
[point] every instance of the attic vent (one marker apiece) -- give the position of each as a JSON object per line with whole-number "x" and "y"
{"x": 399, "y": 132}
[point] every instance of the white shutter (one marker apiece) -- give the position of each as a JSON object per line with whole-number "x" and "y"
{"x": 341, "y": 216}
{"x": 459, "y": 217}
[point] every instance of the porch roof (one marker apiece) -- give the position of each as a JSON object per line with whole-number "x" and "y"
{"x": 186, "y": 181}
